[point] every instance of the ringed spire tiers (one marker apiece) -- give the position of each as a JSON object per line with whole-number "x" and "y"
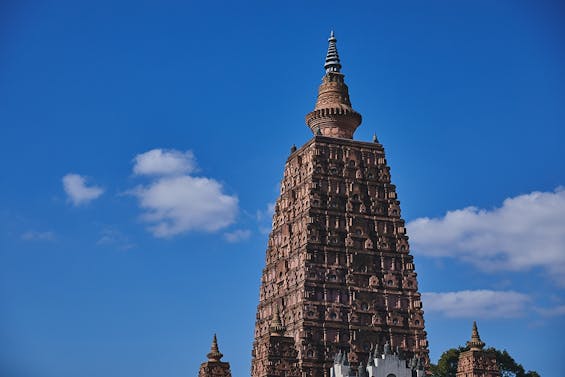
{"x": 214, "y": 354}
{"x": 214, "y": 367}
{"x": 332, "y": 57}
{"x": 333, "y": 115}
{"x": 475, "y": 344}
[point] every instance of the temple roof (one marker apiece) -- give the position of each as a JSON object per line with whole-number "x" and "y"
{"x": 333, "y": 115}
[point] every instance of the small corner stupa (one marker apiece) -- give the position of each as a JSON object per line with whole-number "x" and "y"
{"x": 475, "y": 362}
{"x": 214, "y": 367}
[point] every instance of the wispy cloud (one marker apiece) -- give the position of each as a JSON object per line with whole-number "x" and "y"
{"x": 175, "y": 202}
{"x": 38, "y": 236}
{"x": 552, "y": 312}
{"x": 164, "y": 162}
{"x": 114, "y": 238}
{"x": 476, "y": 303}
{"x": 78, "y": 192}
{"x": 526, "y": 231}
{"x": 237, "y": 235}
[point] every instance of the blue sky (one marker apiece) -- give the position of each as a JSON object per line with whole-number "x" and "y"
{"x": 143, "y": 142}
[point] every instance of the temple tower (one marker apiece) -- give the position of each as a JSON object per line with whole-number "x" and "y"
{"x": 475, "y": 362}
{"x": 339, "y": 276}
{"x": 214, "y": 367}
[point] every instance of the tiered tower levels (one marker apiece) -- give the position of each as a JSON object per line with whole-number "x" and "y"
{"x": 338, "y": 262}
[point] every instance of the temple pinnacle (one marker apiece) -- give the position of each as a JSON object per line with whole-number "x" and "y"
{"x": 332, "y": 57}
{"x": 333, "y": 115}
{"x": 215, "y": 354}
{"x": 475, "y": 344}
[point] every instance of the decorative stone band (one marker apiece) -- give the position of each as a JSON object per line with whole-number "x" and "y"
{"x": 333, "y": 115}
{"x": 334, "y": 122}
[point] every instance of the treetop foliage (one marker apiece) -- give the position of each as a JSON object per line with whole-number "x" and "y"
{"x": 447, "y": 364}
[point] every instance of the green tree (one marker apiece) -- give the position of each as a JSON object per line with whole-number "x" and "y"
{"x": 447, "y": 364}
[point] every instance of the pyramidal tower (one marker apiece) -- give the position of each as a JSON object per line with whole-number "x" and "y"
{"x": 339, "y": 278}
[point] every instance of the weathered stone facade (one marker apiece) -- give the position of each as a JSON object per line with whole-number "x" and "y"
{"x": 475, "y": 362}
{"x": 338, "y": 266}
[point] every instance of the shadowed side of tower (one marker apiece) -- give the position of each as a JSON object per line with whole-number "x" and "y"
{"x": 338, "y": 275}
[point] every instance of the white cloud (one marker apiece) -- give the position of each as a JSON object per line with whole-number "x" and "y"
{"x": 476, "y": 304}
{"x": 114, "y": 238}
{"x": 552, "y": 312}
{"x": 237, "y": 235}
{"x": 176, "y": 203}
{"x": 526, "y": 231}
{"x": 164, "y": 162}
{"x": 77, "y": 190}
{"x": 38, "y": 236}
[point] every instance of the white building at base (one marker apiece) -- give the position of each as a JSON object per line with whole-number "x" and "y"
{"x": 385, "y": 364}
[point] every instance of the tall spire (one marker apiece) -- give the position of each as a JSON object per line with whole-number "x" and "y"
{"x": 215, "y": 354}
{"x": 332, "y": 57}
{"x": 475, "y": 344}
{"x": 333, "y": 115}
